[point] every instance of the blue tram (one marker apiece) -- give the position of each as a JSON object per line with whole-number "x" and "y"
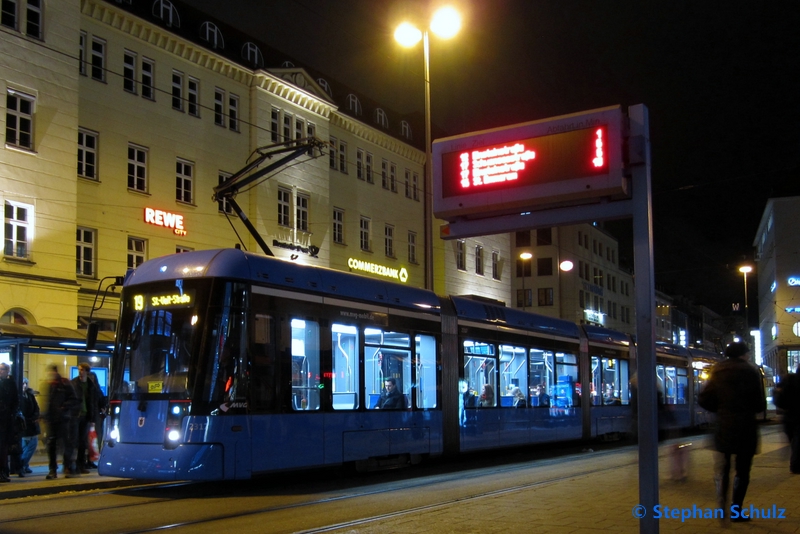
{"x": 229, "y": 365}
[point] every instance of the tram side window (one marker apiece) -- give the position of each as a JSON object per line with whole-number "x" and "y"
{"x": 387, "y": 355}
{"x": 480, "y": 373}
{"x": 610, "y": 385}
{"x": 567, "y": 390}
{"x": 514, "y": 376}
{"x": 542, "y": 369}
{"x": 701, "y": 376}
{"x": 305, "y": 365}
{"x": 426, "y": 371}
{"x": 344, "y": 341}
{"x": 671, "y": 383}
{"x": 262, "y": 352}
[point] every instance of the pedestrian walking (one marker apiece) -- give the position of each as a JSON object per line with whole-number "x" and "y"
{"x": 85, "y": 413}
{"x": 61, "y": 402}
{"x": 787, "y": 397}
{"x": 735, "y": 394}
{"x": 9, "y": 406}
{"x": 30, "y": 437}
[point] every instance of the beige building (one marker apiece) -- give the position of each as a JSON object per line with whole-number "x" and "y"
{"x": 122, "y": 117}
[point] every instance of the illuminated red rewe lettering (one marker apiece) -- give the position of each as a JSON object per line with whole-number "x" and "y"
{"x": 163, "y": 218}
{"x": 494, "y": 165}
{"x": 599, "y": 156}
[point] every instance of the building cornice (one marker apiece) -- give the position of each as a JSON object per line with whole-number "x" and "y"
{"x": 377, "y": 137}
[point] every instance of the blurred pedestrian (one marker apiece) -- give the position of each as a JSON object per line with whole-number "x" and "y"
{"x": 99, "y": 418}
{"x": 9, "y": 406}
{"x": 85, "y": 413}
{"x": 30, "y": 437}
{"x": 787, "y": 398}
{"x": 735, "y": 394}
{"x": 61, "y": 401}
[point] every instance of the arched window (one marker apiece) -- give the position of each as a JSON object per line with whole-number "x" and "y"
{"x": 405, "y": 129}
{"x": 381, "y": 118}
{"x": 287, "y": 65}
{"x": 252, "y": 54}
{"x": 164, "y": 10}
{"x": 325, "y": 86}
{"x": 209, "y": 32}
{"x": 16, "y": 316}
{"x": 354, "y": 104}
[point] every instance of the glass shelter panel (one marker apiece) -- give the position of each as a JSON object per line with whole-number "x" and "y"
{"x": 480, "y": 373}
{"x": 345, "y": 366}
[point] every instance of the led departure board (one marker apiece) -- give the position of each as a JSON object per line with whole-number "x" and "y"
{"x": 527, "y": 166}
{"x": 174, "y": 299}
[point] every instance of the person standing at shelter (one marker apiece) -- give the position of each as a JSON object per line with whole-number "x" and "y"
{"x": 29, "y": 408}
{"x": 85, "y": 413}
{"x": 734, "y": 392}
{"x": 787, "y": 398}
{"x": 9, "y": 405}
{"x": 60, "y": 403}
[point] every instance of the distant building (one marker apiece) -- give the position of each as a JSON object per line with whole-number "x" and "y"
{"x": 777, "y": 246}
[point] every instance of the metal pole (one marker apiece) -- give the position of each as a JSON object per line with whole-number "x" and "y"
{"x": 746, "y": 311}
{"x": 428, "y": 186}
{"x": 645, "y": 328}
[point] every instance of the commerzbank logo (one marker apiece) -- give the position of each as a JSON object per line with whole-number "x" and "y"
{"x": 401, "y": 274}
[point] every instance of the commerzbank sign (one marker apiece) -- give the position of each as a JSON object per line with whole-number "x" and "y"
{"x": 401, "y": 274}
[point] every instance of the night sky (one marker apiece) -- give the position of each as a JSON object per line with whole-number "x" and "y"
{"x": 721, "y": 81}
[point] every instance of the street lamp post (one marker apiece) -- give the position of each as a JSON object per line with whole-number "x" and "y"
{"x": 744, "y": 269}
{"x": 525, "y": 257}
{"x": 445, "y": 24}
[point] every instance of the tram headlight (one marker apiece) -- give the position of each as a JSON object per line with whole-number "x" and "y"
{"x": 176, "y": 411}
{"x": 114, "y": 410}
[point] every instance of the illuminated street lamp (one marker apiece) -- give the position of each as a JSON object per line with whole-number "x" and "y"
{"x": 744, "y": 269}
{"x": 525, "y": 256}
{"x": 445, "y": 24}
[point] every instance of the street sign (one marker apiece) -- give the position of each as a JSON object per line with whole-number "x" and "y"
{"x": 560, "y": 161}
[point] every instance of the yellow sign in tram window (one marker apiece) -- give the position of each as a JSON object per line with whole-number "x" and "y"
{"x": 155, "y": 387}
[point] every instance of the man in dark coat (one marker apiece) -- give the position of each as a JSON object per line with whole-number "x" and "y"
{"x": 787, "y": 398}
{"x": 29, "y": 408}
{"x": 735, "y": 393}
{"x": 61, "y": 402}
{"x": 391, "y": 399}
{"x": 84, "y": 414}
{"x": 9, "y": 405}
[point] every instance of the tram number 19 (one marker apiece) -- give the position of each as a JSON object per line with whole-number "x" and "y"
{"x": 138, "y": 302}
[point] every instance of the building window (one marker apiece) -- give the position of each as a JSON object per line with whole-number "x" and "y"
{"x": 408, "y": 183}
{"x": 98, "y": 68}
{"x": 33, "y": 25}
{"x": 544, "y": 236}
{"x": 302, "y": 212}
{"x": 461, "y": 255}
{"x": 193, "y": 97}
{"x": 495, "y": 265}
{"x": 233, "y": 113}
{"x": 545, "y": 295}
{"x": 384, "y": 174}
{"x": 223, "y": 205}
{"x": 299, "y": 127}
{"x": 129, "y": 71}
{"x": 343, "y": 157}
{"x": 393, "y": 177}
{"x": 311, "y": 130}
{"x": 332, "y": 153}
{"x": 284, "y": 204}
{"x": 164, "y": 10}
{"x": 523, "y": 267}
{"x": 388, "y": 240}
{"x": 479, "y": 260}
{"x": 251, "y": 53}
{"x": 405, "y": 129}
{"x": 412, "y": 247}
{"x": 137, "y": 252}
{"x": 360, "y": 163}
{"x": 219, "y": 107}
{"x": 87, "y": 154}
{"x": 544, "y": 266}
{"x": 364, "y": 234}
{"x": 177, "y": 90}
{"x": 19, "y": 119}
{"x": 180, "y": 249}
{"x": 274, "y": 120}
{"x": 415, "y": 186}
{"x": 338, "y": 226}
{"x": 84, "y": 252}
{"x": 210, "y": 33}
{"x": 381, "y": 119}
{"x": 354, "y": 105}
{"x": 148, "y": 79}
{"x": 522, "y": 238}
{"x": 8, "y": 18}
{"x": 81, "y": 52}
{"x": 368, "y": 169}
{"x": 524, "y": 298}
{"x": 184, "y": 172}
{"x": 137, "y": 168}
{"x": 18, "y": 229}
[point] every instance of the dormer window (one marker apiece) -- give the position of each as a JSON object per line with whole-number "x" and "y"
{"x": 251, "y": 53}
{"x": 209, "y": 32}
{"x": 405, "y": 129}
{"x": 381, "y": 118}
{"x": 325, "y": 86}
{"x": 287, "y": 65}
{"x": 164, "y": 10}
{"x": 354, "y": 105}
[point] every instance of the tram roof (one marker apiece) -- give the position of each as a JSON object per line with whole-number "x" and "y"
{"x": 237, "y": 264}
{"x": 671, "y": 349}
{"x": 604, "y": 335}
{"x": 700, "y": 354}
{"x": 487, "y": 313}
